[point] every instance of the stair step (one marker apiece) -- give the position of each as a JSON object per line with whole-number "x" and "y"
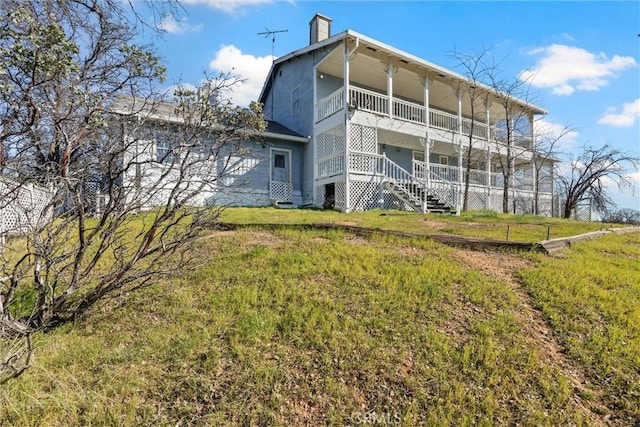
{"x": 415, "y": 195}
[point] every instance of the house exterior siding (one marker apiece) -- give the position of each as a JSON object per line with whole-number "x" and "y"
{"x": 237, "y": 176}
{"x": 407, "y": 106}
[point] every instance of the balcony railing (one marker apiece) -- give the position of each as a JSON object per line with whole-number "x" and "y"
{"x": 367, "y": 100}
{"x": 377, "y": 103}
{"x": 476, "y": 176}
{"x": 329, "y": 105}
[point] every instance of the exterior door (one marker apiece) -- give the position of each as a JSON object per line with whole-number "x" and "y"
{"x": 280, "y": 166}
{"x": 281, "y": 188}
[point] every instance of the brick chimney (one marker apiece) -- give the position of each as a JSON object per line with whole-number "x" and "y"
{"x": 319, "y": 28}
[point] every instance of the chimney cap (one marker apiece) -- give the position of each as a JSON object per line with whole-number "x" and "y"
{"x": 319, "y": 28}
{"x": 320, "y": 15}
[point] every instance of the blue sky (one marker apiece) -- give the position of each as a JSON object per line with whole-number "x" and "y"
{"x": 584, "y": 56}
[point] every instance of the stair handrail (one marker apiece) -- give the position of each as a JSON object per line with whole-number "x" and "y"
{"x": 398, "y": 175}
{"x": 435, "y": 184}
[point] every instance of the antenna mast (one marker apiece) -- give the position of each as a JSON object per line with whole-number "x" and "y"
{"x": 266, "y": 33}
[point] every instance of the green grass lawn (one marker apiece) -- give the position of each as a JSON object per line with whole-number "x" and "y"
{"x": 485, "y": 224}
{"x": 591, "y": 297}
{"x": 309, "y": 327}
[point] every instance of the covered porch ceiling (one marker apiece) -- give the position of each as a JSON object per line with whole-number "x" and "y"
{"x": 368, "y": 70}
{"x": 403, "y": 140}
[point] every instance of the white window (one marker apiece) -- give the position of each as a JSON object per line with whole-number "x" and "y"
{"x": 295, "y": 101}
{"x": 164, "y": 151}
{"x": 444, "y": 160}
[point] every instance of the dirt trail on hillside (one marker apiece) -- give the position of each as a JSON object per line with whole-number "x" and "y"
{"x": 504, "y": 267}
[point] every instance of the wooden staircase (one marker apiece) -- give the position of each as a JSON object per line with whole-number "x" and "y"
{"x": 424, "y": 192}
{"x": 417, "y": 197}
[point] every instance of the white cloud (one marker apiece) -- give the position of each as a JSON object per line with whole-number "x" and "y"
{"x": 228, "y": 6}
{"x": 566, "y": 138}
{"x": 254, "y": 69}
{"x": 626, "y": 117}
{"x": 566, "y": 69}
{"x": 180, "y": 26}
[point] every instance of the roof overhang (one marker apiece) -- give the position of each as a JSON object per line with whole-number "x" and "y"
{"x": 419, "y": 64}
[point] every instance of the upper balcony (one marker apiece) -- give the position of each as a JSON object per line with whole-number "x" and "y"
{"x": 390, "y": 83}
{"x": 414, "y": 112}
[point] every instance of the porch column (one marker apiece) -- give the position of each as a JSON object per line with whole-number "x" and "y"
{"x": 427, "y": 160}
{"x": 534, "y": 170}
{"x": 389, "y": 69}
{"x": 487, "y": 106}
{"x": 512, "y": 168}
{"x": 426, "y": 82}
{"x": 348, "y": 55}
{"x": 459, "y": 202}
{"x": 488, "y": 169}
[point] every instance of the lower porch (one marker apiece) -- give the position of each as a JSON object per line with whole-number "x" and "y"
{"x": 390, "y": 170}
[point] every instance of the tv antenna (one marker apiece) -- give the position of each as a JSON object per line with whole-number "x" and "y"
{"x": 267, "y": 32}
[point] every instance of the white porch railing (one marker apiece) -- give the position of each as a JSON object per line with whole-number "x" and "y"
{"x": 443, "y": 189}
{"x": 330, "y": 105}
{"x": 444, "y": 172}
{"x": 330, "y": 166}
{"x": 497, "y": 179}
{"x": 408, "y": 111}
{"x": 443, "y": 120}
{"x": 477, "y": 177}
{"x": 368, "y": 100}
{"x": 378, "y": 103}
{"x": 480, "y": 130}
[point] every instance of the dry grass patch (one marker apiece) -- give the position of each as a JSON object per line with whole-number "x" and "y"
{"x": 310, "y": 327}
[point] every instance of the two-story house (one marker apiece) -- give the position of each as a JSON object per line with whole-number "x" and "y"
{"x": 390, "y": 130}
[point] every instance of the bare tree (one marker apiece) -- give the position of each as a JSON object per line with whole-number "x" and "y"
{"x": 124, "y": 169}
{"x": 508, "y": 93}
{"x": 474, "y": 69}
{"x": 545, "y": 153}
{"x": 622, "y": 216}
{"x": 586, "y": 176}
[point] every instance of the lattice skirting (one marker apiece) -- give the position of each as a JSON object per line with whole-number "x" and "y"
{"x": 340, "y": 203}
{"x": 496, "y": 201}
{"x": 391, "y": 201}
{"x": 477, "y": 200}
{"x": 319, "y": 194}
{"x": 364, "y": 196}
{"x": 281, "y": 191}
{"x": 523, "y": 204}
{"x": 544, "y": 206}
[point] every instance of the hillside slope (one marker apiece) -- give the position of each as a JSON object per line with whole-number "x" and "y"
{"x": 308, "y": 327}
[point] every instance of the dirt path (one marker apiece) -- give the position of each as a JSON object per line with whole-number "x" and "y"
{"x": 505, "y": 267}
